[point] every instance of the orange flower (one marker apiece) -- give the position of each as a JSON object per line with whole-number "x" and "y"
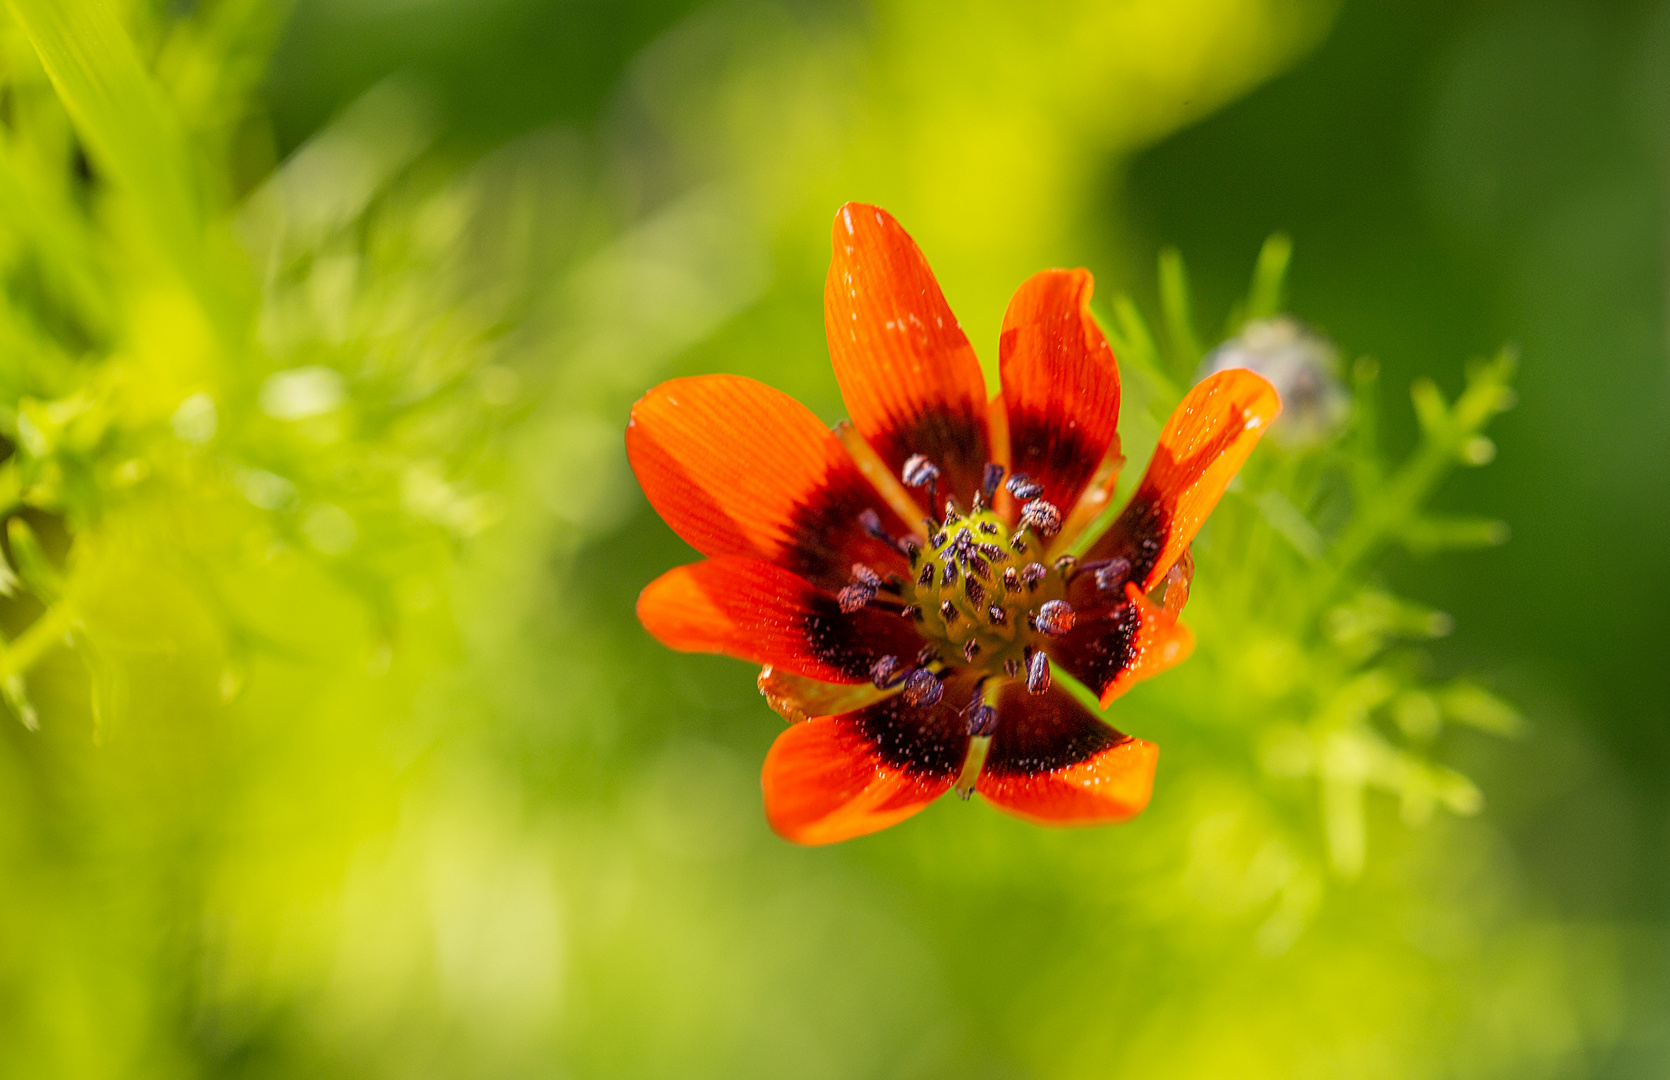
{"x": 913, "y": 608}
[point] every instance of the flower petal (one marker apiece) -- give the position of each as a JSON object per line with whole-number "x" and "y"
{"x": 1112, "y": 647}
{"x": 1051, "y": 762}
{"x": 756, "y": 611}
{"x": 907, "y": 372}
{"x": 1060, "y": 384}
{"x": 796, "y": 698}
{"x": 836, "y": 777}
{"x": 1201, "y": 448}
{"x": 738, "y": 468}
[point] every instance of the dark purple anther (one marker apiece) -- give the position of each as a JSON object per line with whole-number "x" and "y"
{"x": 992, "y": 552}
{"x": 1011, "y": 579}
{"x": 863, "y": 575}
{"x": 911, "y": 611}
{"x": 949, "y": 577}
{"x": 996, "y": 616}
{"x": 1023, "y": 487}
{"x": 948, "y": 611}
{"x": 923, "y": 689}
{"x": 982, "y": 721}
{"x": 888, "y": 672}
{"x": 1066, "y": 566}
{"x": 976, "y": 594}
{"x": 1032, "y": 573}
{"x": 926, "y": 577}
{"x": 989, "y": 528}
{"x": 1113, "y": 574}
{"x": 971, "y": 649}
{"x": 1055, "y": 618}
{"x": 1041, "y": 517}
{"x": 1037, "y": 673}
{"x": 989, "y": 480}
{"x": 919, "y": 471}
{"x": 979, "y": 567}
{"x": 1011, "y": 667}
{"x": 855, "y": 596}
{"x": 953, "y": 512}
{"x": 928, "y": 655}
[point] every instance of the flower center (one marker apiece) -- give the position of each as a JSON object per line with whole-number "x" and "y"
{"x": 978, "y": 592}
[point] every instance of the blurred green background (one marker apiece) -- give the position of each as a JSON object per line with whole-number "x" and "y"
{"x": 335, "y": 748}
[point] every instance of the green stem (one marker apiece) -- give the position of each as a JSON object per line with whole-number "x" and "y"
{"x": 33, "y": 643}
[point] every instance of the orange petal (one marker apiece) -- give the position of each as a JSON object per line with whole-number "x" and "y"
{"x": 1060, "y": 383}
{"x": 1051, "y": 762}
{"x": 738, "y": 468}
{"x": 1160, "y": 642}
{"x": 1113, "y": 646}
{"x": 836, "y": 777}
{"x": 756, "y": 611}
{"x": 907, "y": 372}
{"x": 1202, "y": 447}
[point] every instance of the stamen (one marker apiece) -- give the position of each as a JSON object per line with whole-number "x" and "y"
{"x": 1032, "y": 573}
{"x": 918, "y": 471}
{"x": 979, "y": 566}
{"x": 888, "y": 672}
{"x": 949, "y": 577}
{"x": 1011, "y": 579}
{"x": 990, "y": 479}
{"x": 971, "y": 649}
{"x": 1113, "y": 574}
{"x": 1023, "y": 487}
{"x": 1042, "y": 517}
{"x": 911, "y": 611}
{"x": 976, "y": 595}
{"x": 863, "y": 575}
{"x": 923, "y": 689}
{"x": 870, "y": 521}
{"x": 1066, "y": 566}
{"x": 855, "y": 596}
{"x": 989, "y": 528}
{"x": 1011, "y": 667}
{"x": 997, "y": 616}
{"x": 938, "y": 540}
{"x": 1055, "y": 618}
{"x": 982, "y": 721}
{"x": 928, "y": 655}
{"x": 992, "y": 552}
{"x": 1037, "y": 673}
{"x": 978, "y": 747}
{"x": 1018, "y": 543}
{"x": 926, "y": 577}
{"x": 948, "y": 611}
{"x": 910, "y": 548}
{"x": 953, "y": 512}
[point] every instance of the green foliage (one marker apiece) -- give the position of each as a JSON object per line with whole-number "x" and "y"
{"x": 1323, "y": 658}
{"x": 339, "y": 751}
